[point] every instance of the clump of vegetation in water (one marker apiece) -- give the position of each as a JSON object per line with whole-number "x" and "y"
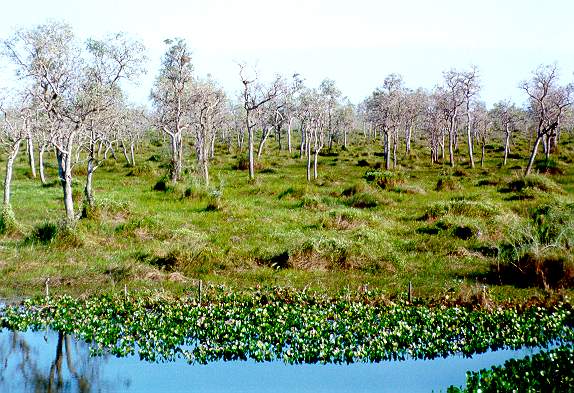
{"x": 288, "y": 325}
{"x": 547, "y": 371}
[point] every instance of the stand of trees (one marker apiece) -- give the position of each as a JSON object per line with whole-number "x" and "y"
{"x": 71, "y": 102}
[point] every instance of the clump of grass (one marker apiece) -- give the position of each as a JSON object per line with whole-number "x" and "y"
{"x": 549, "y": 166}
{"x": 242, "y": 163}
{"x": 385, "y": 179}
{"x": 461, "y": 207}
{"x": 310, "y": 202}
{"x": 447, "y": 183}
{"x": 61, "y": 234}
{"x": 363, "y": 200}
{"x": 106, "y": 207}
{"x": 410, "y": 189}
{"x": 163, "y": 185}
{"x": 275, "y": 260}
{"x": 293, "y": 192}
{"x": 321, "y": 253}
{"x": 340, "y": 219}
{"x": 215, "y": 201}
{"x": 154, "y": 158}
{"x": 532, "y": 181}
{"x": 460, "y": 227}
{"x": 353, "y": 189}
{"x": 8, "y": 222}
{"x": 190, "y": 260}
{"x": 538, "y": 251}
{"x": 142, "y": 170}
{"x": 362, "y": 162}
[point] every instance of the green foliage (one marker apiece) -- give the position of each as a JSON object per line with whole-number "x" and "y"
{"x": 547, "y": 371}
{"x": 293, "y": 326}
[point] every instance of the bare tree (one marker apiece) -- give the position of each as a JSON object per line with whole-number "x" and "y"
{"x": 15, "y": 127}
{"x": 505, "y": 116}
{"x": 255, "y": 95}
{"x": 171, "y": 96}
{"x": 455, "y": 98}
{"x": 69, "y": 88}
{"x": 548, "y": 100}
{"x": 208, "y": 102}
{"x": 470, "y": 87}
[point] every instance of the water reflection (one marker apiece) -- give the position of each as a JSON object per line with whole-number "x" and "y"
{"x": 49, "y": 362}
{"x": 55, "y": 362}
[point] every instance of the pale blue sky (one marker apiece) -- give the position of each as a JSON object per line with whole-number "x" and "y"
{"x": 356, "y": 43}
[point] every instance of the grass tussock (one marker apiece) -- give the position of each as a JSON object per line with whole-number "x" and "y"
{"x": 538, "y": 251}
{"x": 461, "y": 207}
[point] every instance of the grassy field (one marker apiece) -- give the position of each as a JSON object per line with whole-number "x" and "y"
{"x": 448, "y": 231}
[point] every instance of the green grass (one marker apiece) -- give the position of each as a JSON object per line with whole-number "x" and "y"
{"x": 339, "y": 231}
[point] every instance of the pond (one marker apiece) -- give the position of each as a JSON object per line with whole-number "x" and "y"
{"x": 51, "y": 361}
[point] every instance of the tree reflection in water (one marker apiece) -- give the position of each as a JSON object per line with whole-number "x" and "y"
{"x": 29, "y": 364}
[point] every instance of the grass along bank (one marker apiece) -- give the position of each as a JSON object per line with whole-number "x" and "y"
{"x": 447, "y": 231}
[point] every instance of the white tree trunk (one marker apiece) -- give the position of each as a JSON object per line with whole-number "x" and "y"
{"x": 532, "y": 155}
{"x": 31, "y": 160}
{"x": 289, "y": 134}
{"x": 469, "y": 136}
{"x": 41, "y": 163}
{"x": 9, "y": 170}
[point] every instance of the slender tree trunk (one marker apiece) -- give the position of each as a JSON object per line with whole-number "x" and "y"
{"x": 31, "y": 160}
{"x": 9, "y": 170}
{"x": 132, "y": 154}
{"x": 250, "y": 152}
{"x": 41, "y": 163}
{"x": 408, "y": 140}
{"x": 308, "y": 151}
{"x": 264, "y": 135}
{"x": 289, "y": 134}
{"x": 88, "y": 190}
{"x": 65, "y": 173}
{"x": 451, "y": 142}
{"x": 532, "y": 155}
{"x": 303, "y": 141}
{"x": 387, "y": 151}
{"x": 482, "y": 154}
{"x": 395, "y": 144}
{"x": 176, "y": 152}
{"x": 469, "y": 134}
{"x": 506, "y": 144}
{"x": 124, "y": 150}
{"x": 205, "y": 167}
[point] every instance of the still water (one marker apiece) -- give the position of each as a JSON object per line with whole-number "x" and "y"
{"x": 53, "y": 362}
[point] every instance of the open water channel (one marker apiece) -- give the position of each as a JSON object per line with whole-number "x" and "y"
{"x": 53, "y": 362}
